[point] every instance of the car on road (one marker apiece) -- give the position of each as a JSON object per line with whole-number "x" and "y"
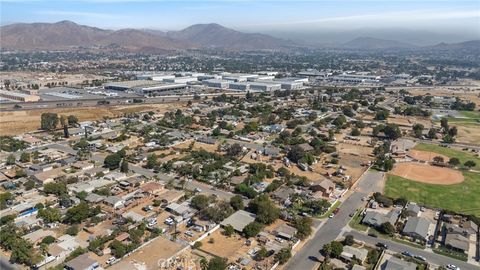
{"x": 407, "y": 253}
{"x": 372, "y": 235}
{"x": 452, "y": 267}
{"x": 382, "y": 245}
{"x": 313, "y": 258}
{"x": 352, "y": 214}
{"x": 331, "y": 215}
{"x": 421, "y": 258}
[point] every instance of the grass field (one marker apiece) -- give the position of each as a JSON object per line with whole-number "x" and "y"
{"x": 461, "y": 198}
{"x": 461, "y": 155}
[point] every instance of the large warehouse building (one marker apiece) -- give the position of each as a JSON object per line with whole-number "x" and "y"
{"x": 16, "y": 96}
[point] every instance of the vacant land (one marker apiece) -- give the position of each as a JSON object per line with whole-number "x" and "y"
{"x": 468, "y": 125}
{"x": 17, "y": 122}
{"x": 462, "y": 198}
{"x": 461, "y": 155}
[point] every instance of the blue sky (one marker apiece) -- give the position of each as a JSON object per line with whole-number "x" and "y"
{"x": 250, "y": 15}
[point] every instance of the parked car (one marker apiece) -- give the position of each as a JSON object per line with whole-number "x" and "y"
{"x": 382, "y": 245}
{"x": 421, "y": 258}
{"x": 111, "y": 261}
{"x": 372, "y": 235}
{"x": 331, "y": 215}
{"x": 408, "y": 254}
{"x": 452, "y": 267}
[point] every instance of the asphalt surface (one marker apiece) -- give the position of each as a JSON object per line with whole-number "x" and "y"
{"x": 332, "y": 228}
{"x": 431, "y": 257}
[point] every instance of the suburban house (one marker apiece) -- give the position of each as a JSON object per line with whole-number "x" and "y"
{"x": 376, "y": 219}
{"x": 82, "y": 262}
{"x": 285, "y": 231}
{"x": 326, "y": 187}
{"x": 113, "y": 201}
{"x": 349, "y": 253}
{"x": 457, "y": 242}
{"x": 417, "y": 228}
{"x": 239, "y": 220}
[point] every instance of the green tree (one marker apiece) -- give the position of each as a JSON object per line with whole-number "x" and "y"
{"x": 387, "y": 228}
{"x": 349, "y": 240}
{"x": 392, "y": 131}
{"x": 265, "y": 209}
{"x": 49, "y": 121}
{"x": 118, "y": 249}
{"x": 444, "y": 124}
{"x": 252, "y": 229}
{"x": 337, "y": 249}
{"x": 151, "y": 161}
{"x": 417, "y": 130}
{"x": 454, "y": 161}
{"x": 355, "y": 132}
{"x": 50, "y": 215}
{"x": 228, "y": 230}
{"x": 25, "y": 157}
{"x": 10, "y": 160}
{"x": 283, "y": 255}
{"x": 432, "y": 133}
{"x": 199, "y": 202}
{"x": 72, "y": 230}
{"x": 72, "y": 120}
{"x": 217, "y": 263}
{"x": 237, "y": 202}
{"x": 303, "y": 226}
{"x": 112, "y": 161}
{"x": 470, "y": 164}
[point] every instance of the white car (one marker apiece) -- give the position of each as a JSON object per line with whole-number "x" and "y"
{"x": 278, "y": 239}
{"x": 169, "y": 221}
{"x": 331, "y": 215}
{"x": 111, "y": 260}
{"x": 453, "y": 267}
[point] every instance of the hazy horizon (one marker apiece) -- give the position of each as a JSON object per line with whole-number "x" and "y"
{"x": 417, "y": 22}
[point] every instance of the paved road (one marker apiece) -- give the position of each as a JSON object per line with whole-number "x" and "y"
{"x": 370, "y": 182}
{"x": 397, "y": 247}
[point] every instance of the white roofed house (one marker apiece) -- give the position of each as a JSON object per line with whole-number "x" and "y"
{"x": 114, "y": 202}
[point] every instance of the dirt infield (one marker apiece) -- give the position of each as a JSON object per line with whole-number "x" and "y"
{"x": 425, "y": 155}
{"x": 428, "y": 174}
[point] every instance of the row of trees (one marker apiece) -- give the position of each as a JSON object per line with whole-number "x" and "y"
{"x": 50, "y": 121}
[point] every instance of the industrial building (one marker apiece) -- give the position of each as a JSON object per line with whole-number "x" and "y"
{"x": 155, "y": 77}
{"x": 239, "y": 77}
{"x": 159, "y": 88}
{"x": 129, "y": 85}
{"x": 216, "y": 83}
{"x": 181, "y": 80}
{"x": 265, "y": 87}
{"x": 241, "y": 86}
{"x": 355, "y": 79}
{"x": 18, "y": 96}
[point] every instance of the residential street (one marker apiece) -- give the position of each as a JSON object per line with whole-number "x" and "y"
{"x": 397, "y": 247}
{"x": 370, "y": 182}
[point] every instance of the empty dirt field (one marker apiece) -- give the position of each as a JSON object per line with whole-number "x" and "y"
{"x": 18, "y": 122}
{"x": 428, "y": 174}
{"x": 425, "y": 155}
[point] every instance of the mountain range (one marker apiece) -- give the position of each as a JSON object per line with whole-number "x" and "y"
{"x": 66, "y": 35}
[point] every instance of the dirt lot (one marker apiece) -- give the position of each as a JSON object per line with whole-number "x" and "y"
{"x": 425, "y": 155}
{"x": 428, "y": 174}
{"x": 223, "y": 246}
{"x": 149, "y": 256}
{"x": 17, "y": 122}
{"x": 468, "y": 133}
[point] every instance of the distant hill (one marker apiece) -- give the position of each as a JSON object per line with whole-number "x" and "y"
{"x": 67, "y": 34}
{"x": 466, "y": 45}
{"x": 215, "y": 35}
{"x": 369, "y": 43}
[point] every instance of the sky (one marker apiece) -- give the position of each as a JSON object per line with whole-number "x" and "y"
{"x": 250, "y": 15}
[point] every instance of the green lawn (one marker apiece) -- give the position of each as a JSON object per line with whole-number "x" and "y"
{"x": 356, "y": 222}
{"x": 332, "y": 208}
{"x": 468, "y": 117}
{"x": 461, "y": 198}
{"x": 461, "y": 155}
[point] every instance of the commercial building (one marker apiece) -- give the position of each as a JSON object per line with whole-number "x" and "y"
{"x": 265, "y": 87}
{"x": 215, "y": 83}
{"x": 18, "y": 96}
{"x": 241, "y": 86}
{"x": 129, "y": 85}
{"x": 355, "y": 79}
{"x": 155, "y": 77}
{"x": 181, "y": 80}
{"x": 239, "y": 77}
